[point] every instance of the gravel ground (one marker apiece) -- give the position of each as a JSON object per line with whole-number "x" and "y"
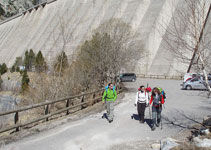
{"x": 95, "y": 133}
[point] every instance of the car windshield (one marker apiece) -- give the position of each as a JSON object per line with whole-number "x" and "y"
{"x": 195, "y": 79}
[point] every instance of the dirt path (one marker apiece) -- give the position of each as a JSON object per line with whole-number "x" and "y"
{"x": 95, "y": 133}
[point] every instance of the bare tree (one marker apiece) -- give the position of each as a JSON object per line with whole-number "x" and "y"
{"x": 59, "y": 82}
{"x": 61, "y": 40}
{"x": 108, "y": 51}
{"x": 188, "y": 35}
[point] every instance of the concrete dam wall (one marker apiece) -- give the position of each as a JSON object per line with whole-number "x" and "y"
{"x": 40, "y": 29}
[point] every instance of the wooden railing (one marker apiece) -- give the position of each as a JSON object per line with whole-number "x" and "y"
{"x": 94, "y": 97}
{"x": 160, "y": 76}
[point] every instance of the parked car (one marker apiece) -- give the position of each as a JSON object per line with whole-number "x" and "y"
{"x": 189, "y": 76}
{"x": 195, "y": 83}
{"x": 125, "y": 77}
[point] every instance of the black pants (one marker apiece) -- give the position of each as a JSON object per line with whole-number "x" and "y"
{"x": 141, "y": 109}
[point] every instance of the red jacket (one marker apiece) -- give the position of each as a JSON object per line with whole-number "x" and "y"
{"x": 151, "y": 100}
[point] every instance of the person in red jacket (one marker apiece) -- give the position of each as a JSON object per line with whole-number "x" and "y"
{"x": 156, "y": 100}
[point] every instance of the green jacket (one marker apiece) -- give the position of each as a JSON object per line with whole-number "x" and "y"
{"x": 109, "y": 95}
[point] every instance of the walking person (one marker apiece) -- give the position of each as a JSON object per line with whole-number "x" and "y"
{"x": 141, "y": 102}
{"x": 156, "y": 100}
{"x": 109, "y": 97}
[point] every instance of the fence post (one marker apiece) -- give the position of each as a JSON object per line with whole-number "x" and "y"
{"x": 82, "y": 100}
{"x": 94, "y": 95}
{"x": 46, "y": 111}
{"x": 16, "y": 118}
{"x": 67, "y": 105}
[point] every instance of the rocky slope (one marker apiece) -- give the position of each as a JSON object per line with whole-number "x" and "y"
{"x": 9, "y": 8}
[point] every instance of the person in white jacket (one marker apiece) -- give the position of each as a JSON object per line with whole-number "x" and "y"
{"x": 141, "y": 102}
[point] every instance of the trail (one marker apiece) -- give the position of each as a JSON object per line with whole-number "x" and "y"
{"x": 95, "y": 133}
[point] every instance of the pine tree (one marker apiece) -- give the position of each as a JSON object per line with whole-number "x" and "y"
{"x": 1, "y": 81}
{"x": 26, "y": 60}
{"x": 3, "y": 68}
{"x": 31, "y": 59}
{"x": 61, "y": 63}
{"x": 2, "y": 12}
{"x": 25, "y": 81}
{"x": 40, "y": 64}
{"x": 12, "y": 69}
{"x": 17, "y": 64}
{"x": 17, "y": 69}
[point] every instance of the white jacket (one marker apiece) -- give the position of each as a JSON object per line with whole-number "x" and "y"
{"x": 142, "y": 97}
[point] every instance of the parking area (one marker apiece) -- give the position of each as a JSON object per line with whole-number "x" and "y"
{"x": 193, "y": 103}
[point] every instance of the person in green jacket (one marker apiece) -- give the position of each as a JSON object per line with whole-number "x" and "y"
{"x": 109, "y": 97}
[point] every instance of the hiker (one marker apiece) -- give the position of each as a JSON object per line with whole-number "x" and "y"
{"x": 109, "y": 97}
{"x": 156, "y": 100}
{"x": 141, "y": 102}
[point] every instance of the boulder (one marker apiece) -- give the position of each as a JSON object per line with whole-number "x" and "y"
{"x": 155, "y": 146}
{"x": 207, "y": 121}
{"x": 206, "y": 143}
{"x": 205, "y": 132}
{"x": 168, "y": 143}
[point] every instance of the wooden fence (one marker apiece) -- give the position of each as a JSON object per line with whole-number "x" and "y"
{"x": 160, "y": 76}
{"x": 93, "y": 97}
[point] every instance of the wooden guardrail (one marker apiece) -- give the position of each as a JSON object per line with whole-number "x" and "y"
{"x": 160, "y": 76}
{"x": 95, "y": 97}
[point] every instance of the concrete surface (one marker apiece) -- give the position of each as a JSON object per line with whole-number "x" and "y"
{"x": 95, "y": 133}
{"x": 41, "y": 29}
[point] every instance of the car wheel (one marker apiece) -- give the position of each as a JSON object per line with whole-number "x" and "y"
{"x": 188, "y": 87}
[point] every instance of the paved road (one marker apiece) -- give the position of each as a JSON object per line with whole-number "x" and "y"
{"x": 95, "y": 133}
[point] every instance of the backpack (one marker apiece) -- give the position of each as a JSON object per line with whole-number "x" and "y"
{"x": 162, "y": 92}
{"x": 106, "y": 88}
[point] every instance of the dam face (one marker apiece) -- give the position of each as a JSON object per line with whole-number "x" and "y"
{"x": 40, "y": 29}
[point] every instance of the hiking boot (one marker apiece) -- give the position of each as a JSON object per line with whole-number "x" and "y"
{"x": 157, "y": 124}
{"x": 153, "y": 128}
{"x": 141, "y": 121}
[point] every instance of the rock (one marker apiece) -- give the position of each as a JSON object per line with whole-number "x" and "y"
{"x": 207, "y": 121}
{"x": 155, "y": 146}
{"x": 168, "y": 143}
{"x": 202, "y": 142}
{"x": 11, "y": 7}
{"x": 205, "y": 132}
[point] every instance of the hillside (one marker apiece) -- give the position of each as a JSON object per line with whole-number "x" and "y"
{"x": 9, "y": 8}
